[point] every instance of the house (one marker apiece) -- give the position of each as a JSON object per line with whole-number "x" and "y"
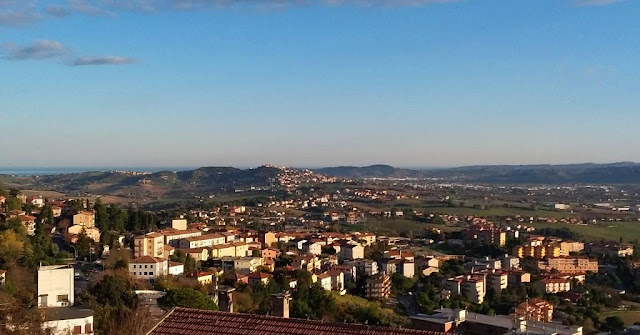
{"x": 176, "y": 269}
{"x": 256, "y": 278}
{"x": 270, "y": 253}
{"x": 312, "y": 248}
{"x": 199, "y": 254}
{"x": 55, "y": 298}
{"x": 324, "y": 280}
{"x": 172, "y": 237}
{"x": 91, "y": 232}
{"x": 241, "y": 249}
{"x": 179, "y": 223}
{"x": 203, "y": 278}
{"x": 148, "y": 268}
{"x": 350, "y": 251}
{"x": 29, "y": 223}
{"x": 535, "y": 309}
{"x": 337, "y": 281}
{"x": 247, "y": 264}
{"x": 84, "y": 218}
{"x": 55, "y": 286}
{"x": 192, "y": 321}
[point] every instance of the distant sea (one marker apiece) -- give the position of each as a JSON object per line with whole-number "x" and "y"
{"x": 42, "y": 171}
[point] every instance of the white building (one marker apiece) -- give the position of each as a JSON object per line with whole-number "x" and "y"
{"x": 148, "y": 268}
{"x": 55, "y": 295}
{"x": 55, "y": 286}
{"x": 176, "y": 269}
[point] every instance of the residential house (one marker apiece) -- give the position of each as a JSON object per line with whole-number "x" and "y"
{"x": 148, "y": 268}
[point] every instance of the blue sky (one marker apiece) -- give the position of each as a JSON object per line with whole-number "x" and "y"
{"x": 317, "y": 83}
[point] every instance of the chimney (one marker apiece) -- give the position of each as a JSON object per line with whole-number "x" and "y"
{"x": 225, "y": 298}
{"x": 280, "y": 305}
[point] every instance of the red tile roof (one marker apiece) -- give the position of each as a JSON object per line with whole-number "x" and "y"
{"x": 185, "y": 321}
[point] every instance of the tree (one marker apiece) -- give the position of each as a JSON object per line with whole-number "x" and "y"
{"x": 84, "y": 245}
{"x": 12, "y": 246}
{"x": 186, "y": 297}
{"x": 102, "y": 217}
{"x": 613, "y": 324}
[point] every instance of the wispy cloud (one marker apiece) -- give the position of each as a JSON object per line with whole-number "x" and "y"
{"x": 597, "y": 2}
{"x": 39, "y": 49}
{"x": 54, "y": 50}
{"x": 107, "y": 60}
{"x": 17, "y": 13}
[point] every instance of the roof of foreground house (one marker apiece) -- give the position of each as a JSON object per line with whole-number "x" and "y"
{"x": 185, "y": 321}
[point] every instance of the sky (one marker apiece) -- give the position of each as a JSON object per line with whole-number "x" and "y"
{"x": 411, "y": 83}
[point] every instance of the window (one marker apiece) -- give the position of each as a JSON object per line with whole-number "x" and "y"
{"x": 63, "y": 298}
{"x": 145, "y": 273}
{"x": 87, "y": 328}
{"x": 145, "y": 266}
{"x": 77, "y": 329}
{"x": 150, "y": 273}
{"x": 134, "y": 266}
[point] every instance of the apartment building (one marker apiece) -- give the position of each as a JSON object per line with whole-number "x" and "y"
{"x": 172, "y": 237}
{"x": 202, "y": 241}
{"x": 84, "y": 218}
{"x": 536, "y": 309}
{"x": 378, "y": 287}
{"x": 148, "y": 268}
{"x": 55, "y": 286}
{"x": 555, "y": 284}
{"x": 151, "y": 244}
{"x": 569, "y": 265}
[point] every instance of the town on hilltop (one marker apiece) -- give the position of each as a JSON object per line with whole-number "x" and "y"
{"x": 307, "y": 253}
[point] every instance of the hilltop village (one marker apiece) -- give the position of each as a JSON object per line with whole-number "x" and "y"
{"x": 401, "y": 254}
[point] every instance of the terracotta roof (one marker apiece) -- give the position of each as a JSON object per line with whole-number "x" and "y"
{"x": 259, "y": 275}
{"x": 184, "y": 321}
{"x": 147, "y": 260}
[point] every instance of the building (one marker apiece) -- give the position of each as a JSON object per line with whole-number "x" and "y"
{"x": 555, "y": 284}
{"x": 55, "y": 298}
{"x": 324, "y": 280}
{"x": 569, "y": 265}
{"x": 148, "y": 268}
{"x": 192, "y": 321}
{"x": 453, "y": 321}
{"x": 256, "y": 278}
{"x": 312, "y": 248}
{"x": 498, "y": 281}
{"x": 91, "y": 232}
{"x": 172, "y": 237}
{"x": 351, "y": 251}
{"x": 67, "y": 320}
{"x": 176, "y": 269}
{"x": 29, "y": 223}
{"x": 612, "y": 249}
{"x": 151, "y": 244}
{"x": 55, "y": 286}
{"x": 201, "y": 241}
{"x": 473, "y": 287}
{"x": 536, "y": 309}
{"x": 247, "y": 264}
{"x": 179, "y": 223}
{"x": 3, "y": 278}
{"x": 378, "y": 287}
{"x": 364, "y": 267}
{"x": 84, "y": 218}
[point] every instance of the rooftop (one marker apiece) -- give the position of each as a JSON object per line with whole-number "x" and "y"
{"x": 186, "y": 321}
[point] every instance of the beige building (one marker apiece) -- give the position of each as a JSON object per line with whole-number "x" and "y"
{"x": 87, "y": 219}
{"x": 179, "y": 224}
{"x": 555, "y": 285}
{"x": 29, "y": 224}
{"x": 148, "y": 268}
{"x": 536, "y": 309}
{"x": 498, "y": 281}
{"x": 351, "y": 251}
{"x": 474, "y": 289}
{"x": 151, "y": 244}
{"x": 91, "y": 232}
{"x": 569, "y": 265}
{"x": 247, "y": 264}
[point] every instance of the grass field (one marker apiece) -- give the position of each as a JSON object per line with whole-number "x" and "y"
{"x": 395, "y": 226}
{"x": 629, "y": 231}
{"x": 629, "y": 317}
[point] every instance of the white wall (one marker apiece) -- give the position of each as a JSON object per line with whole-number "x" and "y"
{"x": 52, "y": 282}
